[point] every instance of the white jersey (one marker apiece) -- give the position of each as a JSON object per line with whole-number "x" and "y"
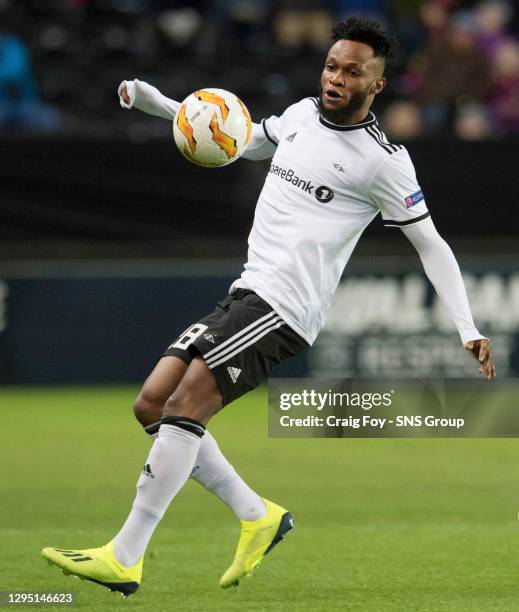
{"x": 325, "y": 184}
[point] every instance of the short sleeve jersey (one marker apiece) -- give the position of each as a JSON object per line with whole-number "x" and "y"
{"x": 325, "y": 184}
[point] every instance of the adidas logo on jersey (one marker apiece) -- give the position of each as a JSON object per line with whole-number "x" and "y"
{"x": 291, "y": 137}
{"x": 209, "y": 337}
{"x": 339, "y": 166}
{"x": 234, "y": 373}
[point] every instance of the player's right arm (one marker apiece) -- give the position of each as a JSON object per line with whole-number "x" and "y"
{"x": 145, "y": 97}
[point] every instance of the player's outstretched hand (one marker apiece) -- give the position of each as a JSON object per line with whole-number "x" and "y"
{"x": 482, "y": 351}
{"x": 123, "y": 92}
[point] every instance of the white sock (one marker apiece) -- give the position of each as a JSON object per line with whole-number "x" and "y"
{"x": 216, "y": 474}
{"x": 167, "y": 469}
{"x": 134, "y": 536}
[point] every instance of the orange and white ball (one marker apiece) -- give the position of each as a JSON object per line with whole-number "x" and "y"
{"x": 212, "y": 127}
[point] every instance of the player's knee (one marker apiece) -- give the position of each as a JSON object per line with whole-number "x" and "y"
{"x": 147, "y": 410}
{"x": 189, "y": 402}
{"x": 179, "y": 403}
{"x": 140, "y": 409}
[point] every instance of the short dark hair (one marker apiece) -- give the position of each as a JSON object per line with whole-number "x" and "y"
{"x": 370, "y": 33}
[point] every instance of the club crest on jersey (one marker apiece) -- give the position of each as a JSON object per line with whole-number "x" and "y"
{"x": 339, "y": 166}
{"x": 414, "y": 198}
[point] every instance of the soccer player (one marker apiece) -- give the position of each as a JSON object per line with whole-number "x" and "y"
{"x": 332, "y": 172}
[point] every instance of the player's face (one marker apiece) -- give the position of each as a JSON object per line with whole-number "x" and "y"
{"x": 351, "y": 78}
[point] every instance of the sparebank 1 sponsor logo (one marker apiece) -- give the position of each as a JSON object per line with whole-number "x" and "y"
{"x": 321, "y": 193}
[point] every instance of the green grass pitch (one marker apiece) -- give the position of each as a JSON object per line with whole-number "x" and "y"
{"x": 381, "y": 525}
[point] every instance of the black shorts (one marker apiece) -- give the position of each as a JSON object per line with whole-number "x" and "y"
{"x": 240, "y": 342}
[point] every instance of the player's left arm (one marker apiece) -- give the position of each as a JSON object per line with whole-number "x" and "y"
{"x": 395, "y": 190}
{"x": 443, "y": 271}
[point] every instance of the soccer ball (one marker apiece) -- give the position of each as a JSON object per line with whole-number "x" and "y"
{"x": 212, "y": 127}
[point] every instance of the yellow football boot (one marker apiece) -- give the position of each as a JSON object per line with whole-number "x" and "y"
{"x": 97, "y": 565}
{"x": 257, "y": 538}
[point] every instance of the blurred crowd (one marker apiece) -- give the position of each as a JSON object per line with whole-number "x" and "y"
{"x": 457, "y": 75}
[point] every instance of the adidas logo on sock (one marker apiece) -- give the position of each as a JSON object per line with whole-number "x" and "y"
{"x": 291, "y": 137}
{"x": 146, "y": 470}
{"x": 209, "y": 337}
{"x": 234, "y": 373}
